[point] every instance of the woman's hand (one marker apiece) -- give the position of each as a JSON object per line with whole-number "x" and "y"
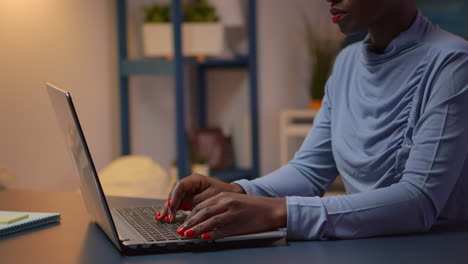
{"x": 191, "y": 191}
{"x": 229, "y": 214}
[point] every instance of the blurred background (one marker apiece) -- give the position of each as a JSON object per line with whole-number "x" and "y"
{"x": 74, "y": 44}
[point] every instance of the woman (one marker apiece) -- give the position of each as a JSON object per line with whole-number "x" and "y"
{"x": 394, "y": 124}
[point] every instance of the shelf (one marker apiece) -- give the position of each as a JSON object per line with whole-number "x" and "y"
{"x": 146, "y": 67}
{"x": 298, "y": 130}
{"x": 234, "y": 175}
{"x": 165, "y": 67}
{"x": 176, "y": 68}
{"x": 238, "y": 62}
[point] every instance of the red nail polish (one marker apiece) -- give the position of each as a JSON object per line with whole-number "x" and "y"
{"x": 169, "y": 202}
{"x": 205, "y": 236}
{"x": 181, "y": 231}
{"x": 189, "y": 233}
{"x": 185, "y": 206}
{"x": 168, "y": 218}
{"x": 157, "y": 215}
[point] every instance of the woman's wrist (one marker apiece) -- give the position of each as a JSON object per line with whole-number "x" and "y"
{"x": 279, "y": 212}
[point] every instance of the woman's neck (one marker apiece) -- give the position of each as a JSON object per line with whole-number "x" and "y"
{"x": 388, "y": 27}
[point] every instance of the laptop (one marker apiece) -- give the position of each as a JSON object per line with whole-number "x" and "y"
{"x": 132, "y": 230}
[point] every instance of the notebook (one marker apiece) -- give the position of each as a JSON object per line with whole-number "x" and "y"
{"x": 28, "y": 220}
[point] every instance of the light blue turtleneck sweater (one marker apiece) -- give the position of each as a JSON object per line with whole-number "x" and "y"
{"x": 395, "y": 127}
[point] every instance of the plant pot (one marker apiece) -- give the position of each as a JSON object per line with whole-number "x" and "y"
{"x": 198, "y": 39}
{"x": 157, "y": 39}
{"x": 315, "y": 104}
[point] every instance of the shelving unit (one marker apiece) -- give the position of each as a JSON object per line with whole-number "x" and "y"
{"x": 130, "y": 67}
{"x": 294, "y": 123}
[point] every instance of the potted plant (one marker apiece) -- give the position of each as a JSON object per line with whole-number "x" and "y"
{"x": 202, "y": 33}
{"x": 322, "y": 50}
{"x": 157, "y": 30}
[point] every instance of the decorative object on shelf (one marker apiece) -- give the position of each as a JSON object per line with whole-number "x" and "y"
{"x": 315, "y": 104}
{"x": 323, "y": 49}
{"x": 202, "y": 32}
{"x": 213, "y": 146}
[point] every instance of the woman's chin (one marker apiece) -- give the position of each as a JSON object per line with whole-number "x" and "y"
{"x": 350, "y": 30}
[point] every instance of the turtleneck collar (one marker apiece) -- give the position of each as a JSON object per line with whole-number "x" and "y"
{"x": 401, "y": 42}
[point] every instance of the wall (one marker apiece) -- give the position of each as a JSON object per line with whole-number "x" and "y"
{"x": 284, "y": 64}
{"x": 73, "y": 44}
{"x": 68, "y": 43}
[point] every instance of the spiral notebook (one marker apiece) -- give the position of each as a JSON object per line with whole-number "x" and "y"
{"x": 27, "y": 220}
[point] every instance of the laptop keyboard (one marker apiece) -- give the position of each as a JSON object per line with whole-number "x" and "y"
{"x": 142, "y": 219}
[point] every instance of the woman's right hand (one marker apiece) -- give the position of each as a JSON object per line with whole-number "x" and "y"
{"x": 192, "y": 190}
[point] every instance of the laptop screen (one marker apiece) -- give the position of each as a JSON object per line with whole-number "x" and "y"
{"x": 90, "y": 187}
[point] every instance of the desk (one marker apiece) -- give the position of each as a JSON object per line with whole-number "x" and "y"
{"x": 76, "y": 240}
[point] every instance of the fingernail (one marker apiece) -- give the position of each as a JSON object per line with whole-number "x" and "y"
{"x": 169, "y": 202}
{"x": 181, "y": 231}
{"x": 205, "y": 236}
{"x": 168, "y": 218}
{"x": 185, "y": 206}
{"x": 189, "y": 233}
{"x": 157, "y": 215}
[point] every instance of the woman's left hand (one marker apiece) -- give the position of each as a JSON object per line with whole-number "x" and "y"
{"x": 229, "y": 214}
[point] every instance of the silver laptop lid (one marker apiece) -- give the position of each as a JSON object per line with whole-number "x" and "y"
{"x": 90, "y": 187}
